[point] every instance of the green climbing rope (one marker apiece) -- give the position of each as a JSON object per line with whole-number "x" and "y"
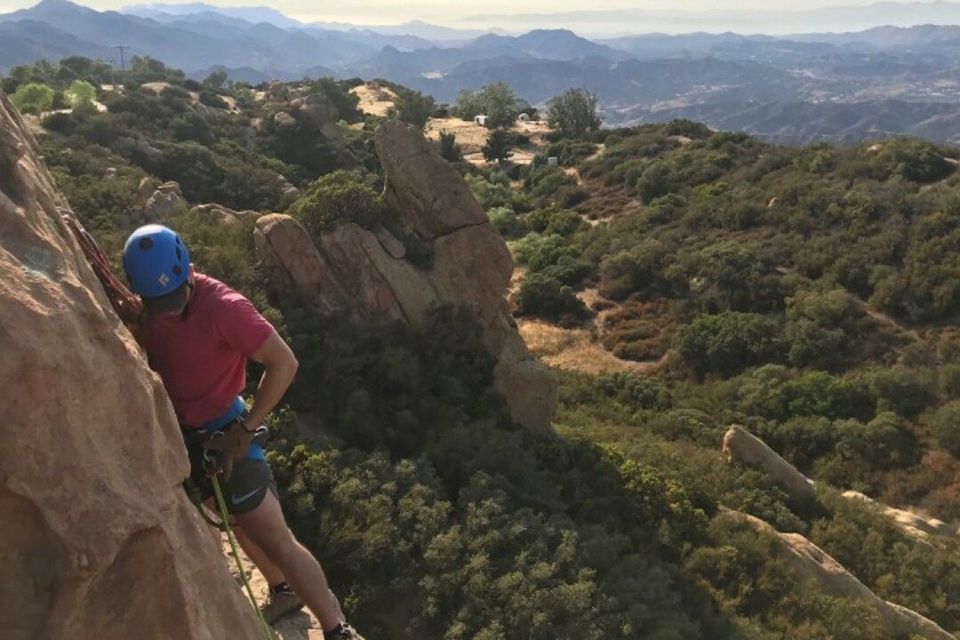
{"x": 222, "y": 506}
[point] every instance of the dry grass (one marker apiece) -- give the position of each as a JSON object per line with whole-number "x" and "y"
{"x": 471, "y": 138}
{"x": 637, "y": 330}
{"x": 374, "y": 100}
{"x": 606, "y": 202}
{"x": 573, "y": 349}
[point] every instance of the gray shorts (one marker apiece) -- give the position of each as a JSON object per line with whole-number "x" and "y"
{"x": 248, "y": 483}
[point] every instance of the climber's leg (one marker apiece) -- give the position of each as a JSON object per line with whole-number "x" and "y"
{"x": 271, "y": 572}
{"x": 266, "y": 527}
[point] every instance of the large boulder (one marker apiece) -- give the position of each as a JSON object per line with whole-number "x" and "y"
{"x": 166, "y": 200}
{"x": 433, "y": 197}
{"x": 813, "y": 564}
{"x": 742, "y": 447}
{"x": 97, "y": 538}
{"x": 366, "y": 271}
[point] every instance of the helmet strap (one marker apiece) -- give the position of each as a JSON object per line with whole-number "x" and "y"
{"x": 186, "y": 308}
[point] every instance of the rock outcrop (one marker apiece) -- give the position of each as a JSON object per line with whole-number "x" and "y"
{"x": 813, "y": 564}
{"x": 166, "y": 200}
{"x": 912, "y": 524}
{"x": 97, "y": 538}
{"x": 364, "y": 272}
{"x": 742, "y": 447}
{"x": 222, "y": 214}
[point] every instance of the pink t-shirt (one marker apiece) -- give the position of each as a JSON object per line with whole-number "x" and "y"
{"x": 202, "y": 358}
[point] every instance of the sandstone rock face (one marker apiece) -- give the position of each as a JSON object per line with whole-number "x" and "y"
{"x": 222, "y": 214}
{"x": 363, "y": 272}
{"x": 146, "y": 188}
{"x": 289, "y": 192}
{"x": 284, "y": 120}
{"x": 742, "y": 447}
{"x": 97, "y": 539}
{"x": 165, "y": 201}
{"x": 433, "y": 197}
{"x": 811, "y": 563}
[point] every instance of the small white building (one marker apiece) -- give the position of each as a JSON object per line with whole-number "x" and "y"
{"x": 524, "y": 117}
{"x": 480, "y": 120}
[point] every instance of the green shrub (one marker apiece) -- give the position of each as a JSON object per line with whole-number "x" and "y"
{"x": 729, "y": 276}
{"x": 772, "y": 392}
{"x": 497, "y": 101}
{"x": 823, "y": 329}
{"x": 413, "y": 107}
{"x": 641, "y": 269}
{"x": 491, "y": 193}
{"x": 212, "y": 99}
{"x": 950, "y": 380}
{"x": 342, "y": 196}
{"x": 554, "y": 222}
{"x": 728, "y": 343}
{"x": 33, "y": 98}
{"x": 574, "y": 114}
{"x": 568, "y": 152}
{"x": 506, "y": 221}
{"x": 945, "y": 427}
{"x": 634, "y": 390}
{"x": 802, "y": 440}
{"x": 63, "y": 123}
{"x": 883, "y": 443}
{"x": 80, "y": 93}
{"x": 906, "y": 392}
{"x": 545, "y": 297}
{"x": 538, "y": 251}
{"x": 449, "y": 149}
{"x": 497, "y": 147}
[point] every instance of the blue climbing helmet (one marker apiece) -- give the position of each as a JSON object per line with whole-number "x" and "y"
{"x": 156, "y": 261}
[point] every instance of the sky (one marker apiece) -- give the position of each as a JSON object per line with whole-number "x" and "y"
{"x": 601, "y": 18}
{"x": 446, "y": 11}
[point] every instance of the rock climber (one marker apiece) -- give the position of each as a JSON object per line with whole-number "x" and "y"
{"x": 198, "y": 334}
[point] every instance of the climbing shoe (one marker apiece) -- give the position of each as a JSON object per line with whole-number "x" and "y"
{"x": 280, "y": 604}
{"x": 342, "y": 632}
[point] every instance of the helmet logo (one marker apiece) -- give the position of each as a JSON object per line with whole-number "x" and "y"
{"x": 163, "y": 280}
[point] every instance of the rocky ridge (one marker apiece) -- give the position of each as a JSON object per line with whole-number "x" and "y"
{"x": 367, "y": 273}
{"x": 809, "y": 561}
{"x": 97, "y": 536}
{"x": 813, "y": 564}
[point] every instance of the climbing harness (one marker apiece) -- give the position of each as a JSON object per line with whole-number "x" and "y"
{"x": 232, "y": 444}
{"x": 125, "y": 303}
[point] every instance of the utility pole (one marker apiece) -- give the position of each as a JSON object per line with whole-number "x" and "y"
{"x": 121, "y": 47}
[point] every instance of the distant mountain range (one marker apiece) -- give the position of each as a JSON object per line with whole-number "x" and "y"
{"x": 840, "y": 86}
{"x": 770, "y": 21}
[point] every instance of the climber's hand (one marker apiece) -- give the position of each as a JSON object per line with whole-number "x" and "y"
{"x": 229, "y": 446}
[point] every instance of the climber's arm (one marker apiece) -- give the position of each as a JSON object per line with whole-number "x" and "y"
{"x": 280, "y": 368}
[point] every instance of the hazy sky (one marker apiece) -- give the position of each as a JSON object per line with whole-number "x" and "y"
{"x": 396, "y": 11}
